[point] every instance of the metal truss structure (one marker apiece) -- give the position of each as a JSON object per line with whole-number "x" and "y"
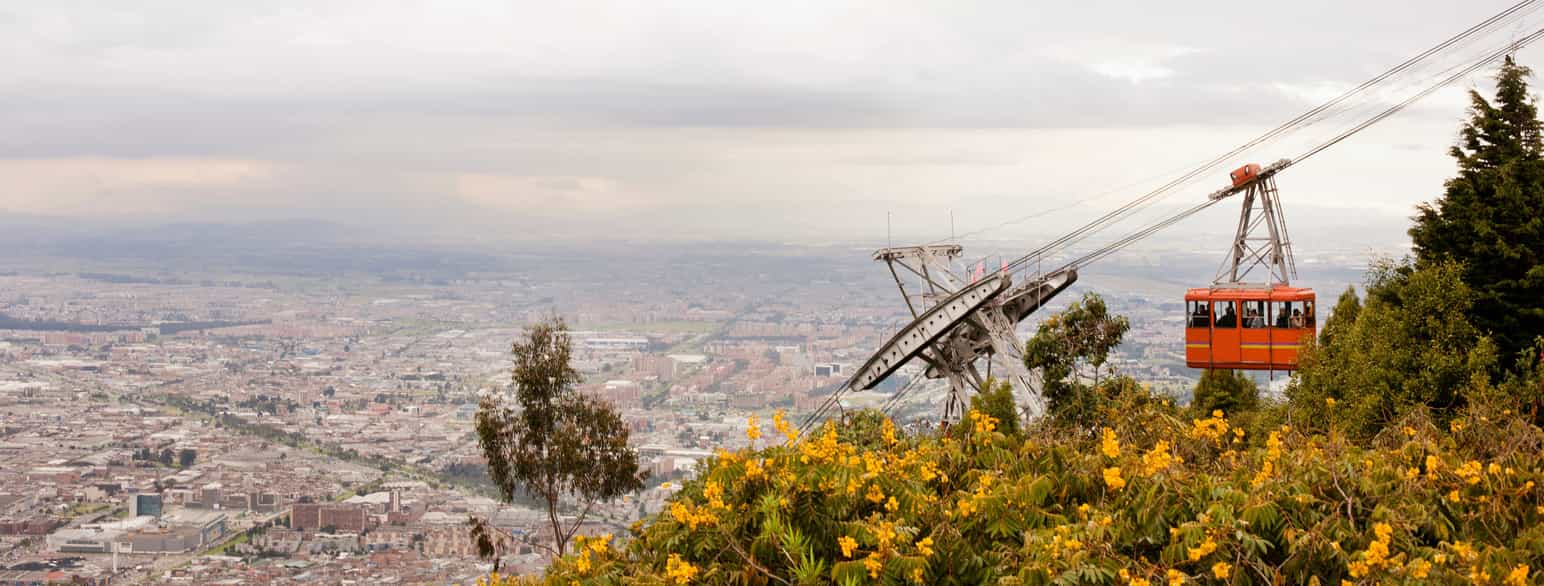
{"x": 958, "y": 323}
{"x": 1261, "y": 241}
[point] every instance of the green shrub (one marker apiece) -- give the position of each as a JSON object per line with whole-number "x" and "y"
{"x": 1152, "y": 497}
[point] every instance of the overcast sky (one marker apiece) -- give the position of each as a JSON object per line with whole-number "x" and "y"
{"x": 688, "y": 120}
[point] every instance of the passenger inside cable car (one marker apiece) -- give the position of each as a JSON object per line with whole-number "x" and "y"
{"x": 1200, "y": 314}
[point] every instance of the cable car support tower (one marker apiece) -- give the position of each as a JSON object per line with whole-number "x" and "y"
{"x": 958, "y": 323}
{"x": 1261, "y": 241}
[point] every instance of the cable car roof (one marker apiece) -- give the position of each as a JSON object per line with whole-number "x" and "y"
{"x": 1246, "y": 293}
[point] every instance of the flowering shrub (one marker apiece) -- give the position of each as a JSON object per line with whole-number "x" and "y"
{"x": 1152, "y": 497}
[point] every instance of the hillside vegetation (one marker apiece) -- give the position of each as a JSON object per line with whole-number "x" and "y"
{"x": 1153, "y": 496}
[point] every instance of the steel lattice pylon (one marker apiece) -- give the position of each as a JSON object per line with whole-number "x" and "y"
{"x": 958, "y": 323}
{"x": 1261, "y": 241}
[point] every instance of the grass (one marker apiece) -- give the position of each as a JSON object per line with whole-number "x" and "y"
{"x": 229, "y": 543}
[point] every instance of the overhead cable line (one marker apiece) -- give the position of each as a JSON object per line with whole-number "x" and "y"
{"x": 1125, "y": 210}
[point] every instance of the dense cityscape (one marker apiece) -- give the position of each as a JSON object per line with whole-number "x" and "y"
{"x": 182, "y": 424}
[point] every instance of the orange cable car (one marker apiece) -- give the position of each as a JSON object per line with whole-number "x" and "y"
{"x": 1236, "y": 324}
{"x": 1252, "y": 328}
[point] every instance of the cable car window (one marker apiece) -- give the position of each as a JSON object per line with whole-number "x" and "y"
{"x": 1281, "y": 314}
{"x": 1307, "y": 314}
{"x": 1200, "y": 313}
{"x": 1254, "y": 314}
{"x": 1226, "y": 318}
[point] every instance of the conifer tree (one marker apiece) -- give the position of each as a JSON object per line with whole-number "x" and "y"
{"x": 1344, "y": 314}
{"x": 1228, "y": 390}
{"x": 1491, "y": 216}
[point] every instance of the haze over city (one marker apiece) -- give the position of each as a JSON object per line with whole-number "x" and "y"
{"x": 262, "y": 264}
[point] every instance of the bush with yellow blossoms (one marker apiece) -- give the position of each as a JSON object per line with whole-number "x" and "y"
{"x": 1151, "y": 496}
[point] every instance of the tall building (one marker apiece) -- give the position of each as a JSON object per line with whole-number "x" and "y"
{"x": 145, "y": 505}
{"x": 314, "y": 516}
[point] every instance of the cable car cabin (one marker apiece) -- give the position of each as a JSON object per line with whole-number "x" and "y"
{"x": 1244, "y": 174}
{"x": 1251, "y": 328}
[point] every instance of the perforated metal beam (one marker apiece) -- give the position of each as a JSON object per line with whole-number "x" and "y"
{"x": 928, "y": 328}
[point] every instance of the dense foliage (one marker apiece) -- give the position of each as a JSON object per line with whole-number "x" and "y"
{"x": 1490, "y": 217}
{"x": 1228, "y": 390}
{"x": 1408, "y": 345}
{"x": 1152, "y": 498}
{"x": 1071, "y": 349}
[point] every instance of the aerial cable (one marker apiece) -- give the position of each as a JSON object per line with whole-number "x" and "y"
{"x": 1298, "y": 122}
{"x": 1391, "y": 110}
{"x": 1462, "y": 72}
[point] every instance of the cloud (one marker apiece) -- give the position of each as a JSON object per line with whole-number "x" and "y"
{"x": 703, "y": 118}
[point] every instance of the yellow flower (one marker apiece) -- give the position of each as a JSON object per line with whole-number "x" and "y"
{"x": 752, "y": 429}
{"x": 873, "y": 564}
{"x": 983, "y": 426}
{"x": 1329, "y": 401}
{"x": 583, "y": 563}
{"x": 1357, "y": 568}
{"x": 875, "y": 494}
{"x": 1455, "y": 426}
{"x": 1453, "y": 496}
{"x": 1470, "y": 472}
{"x": 1418, "y": 569}
{"x": 916, "y": 574}
{"x": 1518, "y": 576}
{"x": 1113, "y": 480}
{"x": 1213, "y": 429}
{"x": 780, "y": 422}
{"x": 600, "y": 544}
{"x": 680, "y": 571}
{"x": 1156, "y": 459}
{"x": 1176, "y": 577}
{"x": 1464, "y": 550}
{"x": 1205, "y": 549}
{"x": 1266, "y": 469}
{"x": 892, "y": 505}
{"x": 1413, "y": 473}
{"x": 715, "y": 494}
{"x": 888, "y": 431}
{"x": 1109, "y": 445}
{"x": 1409, "y": 431}
{"x": 847, "y": 544}
{"x": 967, "y": 506}
{"x": 753, "y": 469}
{"x": 925, "y": 546}
{"x": 1221, "y": 569}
